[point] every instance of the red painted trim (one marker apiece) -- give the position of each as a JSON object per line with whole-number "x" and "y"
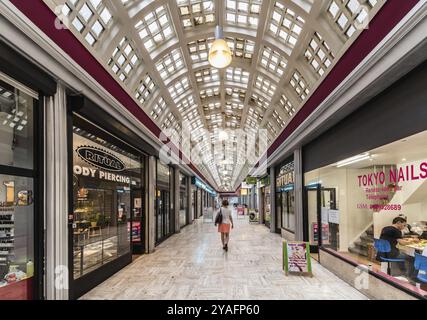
{"x": 41, "y": 15}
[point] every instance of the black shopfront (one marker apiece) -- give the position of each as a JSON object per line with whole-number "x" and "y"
{"x": 165, "y": 213}
{"x": 23, "y": 90}
{"x": 107, "y": 197}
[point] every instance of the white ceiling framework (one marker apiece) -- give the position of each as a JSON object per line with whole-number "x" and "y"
{"x": 157, "y": 50}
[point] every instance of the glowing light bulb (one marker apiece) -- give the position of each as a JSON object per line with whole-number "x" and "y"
{"x": 219, "y": 53}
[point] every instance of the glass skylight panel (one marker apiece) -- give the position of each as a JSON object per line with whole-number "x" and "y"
{"x": 89, "y": 18}
{"x": 237, "y": 75}
{"x": 207, "y": 75}
{"x": 273, "y": 62}
{"x": 199, "y": 49}
{"x": 169, "y": 121}
{"x": 318, "y": 54}
{"x": 208, "y": 93}
{"x": 186, "y": 104}
{"x": 170, "y": 64}
{"x": 124, "y": 59}
{"x": 145, "y": 89}
{"x": 266, "y": 86}
{"x": 211, "y": 107}
{"x": 155, "y": 28}
{"x": 260, "y": 102}
{"x": 177, "y": 88}
{"x": 159, "y": 108}
{"x": 350, "y": 15}
{"x": 285, "y": 24}
{"x": 300, "y": 85}
{"x": 241, "y": 48}
{"x": 196, "y": 12}
{"x": 243, "y": 12}
{"x": 287, "y": 105}
{"x": 235, "y": 93}
{"x": 279, "y": 119}
{"x": 272, "y": 130}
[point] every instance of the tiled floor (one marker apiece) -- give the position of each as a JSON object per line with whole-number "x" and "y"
{"x": 193, "y": 265}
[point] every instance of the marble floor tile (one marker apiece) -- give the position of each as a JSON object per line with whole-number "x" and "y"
{"x": 193, "y": 265}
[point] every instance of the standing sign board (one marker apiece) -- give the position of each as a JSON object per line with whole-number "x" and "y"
{"x": 253, "y": 216}
{"x": 296, "y": 258}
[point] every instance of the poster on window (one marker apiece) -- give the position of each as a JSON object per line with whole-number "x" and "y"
{"x": 296, "y": 258}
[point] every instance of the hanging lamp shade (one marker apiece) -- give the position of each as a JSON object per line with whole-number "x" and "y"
{"x": 219, "y": 54}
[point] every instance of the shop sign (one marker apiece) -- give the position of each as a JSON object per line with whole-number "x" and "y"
{"x": 100, "y": 158}
{"x": 382, "y": 185}
{"x": 251, "y": 180}
{"x": 100, "y": 174}
{"x": 296, "y": 258}
{"x": 286, "y": 175}
{"x": 195, "y": 181}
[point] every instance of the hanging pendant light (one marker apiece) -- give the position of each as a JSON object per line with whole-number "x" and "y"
{"x": 219, "y": 54}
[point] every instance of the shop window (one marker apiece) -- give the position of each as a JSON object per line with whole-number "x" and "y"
{"x": 16, "y": 192}
{"x": 16, "y": 127}
{"x": 285, "y": 197}
{"x": 106, "y": 182}
{"x": 362, "y": 195}
{"x": 16, "y": 237}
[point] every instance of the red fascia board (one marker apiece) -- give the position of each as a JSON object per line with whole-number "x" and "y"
{"x": 41, "y": 15}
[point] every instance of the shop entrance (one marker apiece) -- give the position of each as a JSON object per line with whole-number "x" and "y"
{"x": 137, "y": 221}
{"x": 164, "y": 228}
{"x": 317, "y": 200}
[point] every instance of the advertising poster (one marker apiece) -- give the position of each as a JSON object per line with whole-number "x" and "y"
{"x": 296, "y": 258}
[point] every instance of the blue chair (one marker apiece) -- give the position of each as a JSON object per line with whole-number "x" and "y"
{"x": 383, "y": 246}
{"x": 420, "y": 264}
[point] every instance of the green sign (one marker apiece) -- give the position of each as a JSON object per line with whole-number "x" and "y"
{"x": 296, "y": 257}
{"x": 251, "y": 180}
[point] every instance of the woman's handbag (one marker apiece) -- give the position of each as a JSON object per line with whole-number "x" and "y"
{"x": 218, "y": 218}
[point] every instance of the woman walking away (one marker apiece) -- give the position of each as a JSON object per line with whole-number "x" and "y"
{"x": 225, "y": 224}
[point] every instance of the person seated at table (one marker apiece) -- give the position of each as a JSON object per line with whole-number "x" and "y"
{"x": 393, "y": 234}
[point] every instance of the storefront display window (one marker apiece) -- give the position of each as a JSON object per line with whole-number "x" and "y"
{"x": 105, "y": 179}
{"x": 373, "y": 198}
{"x": 17, "y": 198}
{"x": 285, "y": 197}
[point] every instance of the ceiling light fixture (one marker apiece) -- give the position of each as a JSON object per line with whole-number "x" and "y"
{"x": 360, "y": 157}
{"x": 219, "y": 53}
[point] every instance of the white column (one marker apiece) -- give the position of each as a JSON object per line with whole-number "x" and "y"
{"x": 299, "y": 216}
{"x": 56, "y": 196}
{"x": 150, "y": 229}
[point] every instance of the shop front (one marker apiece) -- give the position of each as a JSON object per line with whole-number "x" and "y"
{"x": 18, "y": 113}
{"x": 107, "y": 222}
{"x": 366, "y": 189}
{"x": 23, "y": 91}
{"x": 204, "y": 196}
{"x": 285, "y": 198}
{"x": 165, "y": 215}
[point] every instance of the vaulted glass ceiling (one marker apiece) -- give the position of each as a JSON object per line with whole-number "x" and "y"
{"x": 158, "y": 49}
